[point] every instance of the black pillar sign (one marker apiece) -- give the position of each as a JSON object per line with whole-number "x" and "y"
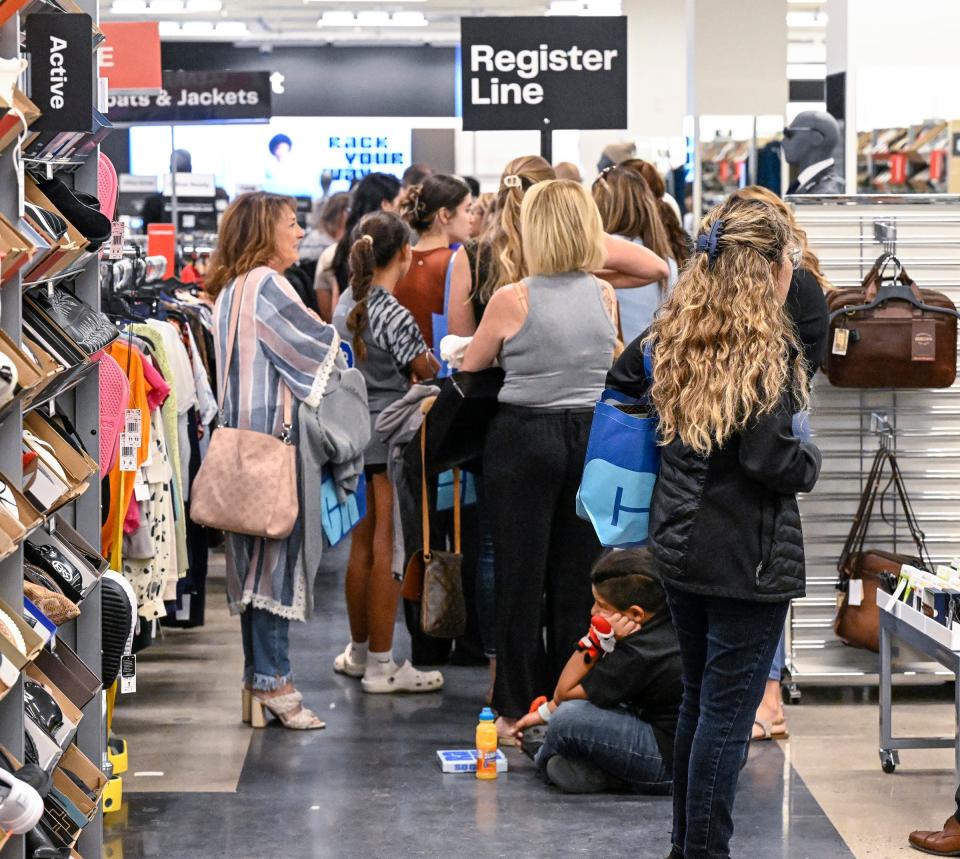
{"x": 61, "y": 70}
{"x": 197, "y": 97}
{"x": 547, "y": 73}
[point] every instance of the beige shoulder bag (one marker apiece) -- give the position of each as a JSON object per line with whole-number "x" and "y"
{"x": 247, "y": 483}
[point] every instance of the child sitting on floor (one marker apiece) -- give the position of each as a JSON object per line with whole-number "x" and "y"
{"x": 613, "y": 717}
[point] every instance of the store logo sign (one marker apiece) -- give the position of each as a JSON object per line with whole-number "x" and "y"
{"x": 557, "y": 72}
{"x": 197, "y": 97}
{"x": 61, "y": 70}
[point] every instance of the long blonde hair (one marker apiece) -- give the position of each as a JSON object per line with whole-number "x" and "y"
{"x": 724, "y": 350}
{"x": 562, "y": 230}
{"x": 503, "y": 240}
{"x": 810, "y": 260}
{"x": 629, "y": 209}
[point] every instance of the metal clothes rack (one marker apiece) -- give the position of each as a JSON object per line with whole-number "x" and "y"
{"x": 922, "y": 426}
{"x": 82, "y": 405}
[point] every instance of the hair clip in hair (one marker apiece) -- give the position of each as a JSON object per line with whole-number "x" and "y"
{"x": 709, "y": 244}
{"x": 366, "y": 237}
{"x": 512, "y": 180}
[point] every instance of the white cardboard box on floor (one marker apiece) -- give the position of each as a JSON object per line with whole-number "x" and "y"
{"x": 465, "y": 761}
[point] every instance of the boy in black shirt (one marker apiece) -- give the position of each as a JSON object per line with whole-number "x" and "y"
{"x": 613, "y": 717}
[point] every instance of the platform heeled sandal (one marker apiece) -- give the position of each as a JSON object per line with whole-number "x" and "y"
{"x": 247, "y": 702}
{"x": 287, "y": 708}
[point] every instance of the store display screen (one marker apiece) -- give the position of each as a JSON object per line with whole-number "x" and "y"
{"x": 239, "y": 154}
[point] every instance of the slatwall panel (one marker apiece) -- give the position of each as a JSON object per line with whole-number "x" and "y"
{"x": 925, "y": 429}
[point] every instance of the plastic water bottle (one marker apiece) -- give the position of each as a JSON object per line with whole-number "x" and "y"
{"x": 486, "y": 745}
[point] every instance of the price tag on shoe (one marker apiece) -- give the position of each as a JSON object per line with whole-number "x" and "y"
{"x": 128, "y": 674}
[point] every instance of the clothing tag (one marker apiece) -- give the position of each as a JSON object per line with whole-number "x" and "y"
{"x": 128, "y": 674}
{"x": 116, "y": 240}
{"x": 141, "y": 489}
{"x": 924, "y": 340}
{"x": 841, "y": 339}
{"x": 133, "y": 425}
{"x": 128, "y": 453}
{"x": 855, "y": 594}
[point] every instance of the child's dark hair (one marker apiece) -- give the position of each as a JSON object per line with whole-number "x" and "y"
{"x": 376, "y": 240}
{"x": 421, "y": 203}
{"x": 628, "y": 578}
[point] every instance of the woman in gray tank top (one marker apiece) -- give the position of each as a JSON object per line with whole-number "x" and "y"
{"x": 555, "y": 334}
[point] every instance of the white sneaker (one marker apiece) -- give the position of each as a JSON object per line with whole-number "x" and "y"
{"x": 20, "y": 807}
{"x": 344, "y": 663}
{"x": 406, "y": 678}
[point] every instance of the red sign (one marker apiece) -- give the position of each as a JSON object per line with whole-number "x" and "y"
{"x": 898, "y": 169}
{"x": 130, "y": 57}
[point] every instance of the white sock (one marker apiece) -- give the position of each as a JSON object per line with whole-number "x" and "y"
{"x": 380, "y": 663}
{"x": 357, "y": 652}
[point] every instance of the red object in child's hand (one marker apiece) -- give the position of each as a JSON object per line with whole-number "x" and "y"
{"x": 599, "y": 639}
{"x": 535, "y": 704}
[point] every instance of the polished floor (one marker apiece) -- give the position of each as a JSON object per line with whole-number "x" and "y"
{"x": 201, "y": 785}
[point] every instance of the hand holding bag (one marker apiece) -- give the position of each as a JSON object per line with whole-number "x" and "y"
{"x": 247, "y": 484}
{"x": 864, "y": 572}
{"x": 434, "y": 577}
{"x": 891, "y": 334}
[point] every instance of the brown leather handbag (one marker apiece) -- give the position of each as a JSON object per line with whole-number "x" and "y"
{"x": 247, "y": 483}
{"x": 891, "y": 334}
{"x": 864, "y": 572}
{"x": 432, "y": 576}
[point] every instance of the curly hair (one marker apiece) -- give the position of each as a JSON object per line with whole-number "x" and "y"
{"x": 724, "y": 349}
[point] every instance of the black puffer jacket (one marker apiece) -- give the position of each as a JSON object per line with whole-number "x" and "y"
{"x": 728, "y": 524}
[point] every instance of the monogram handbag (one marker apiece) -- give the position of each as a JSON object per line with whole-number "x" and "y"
{"x": 891, "y": 334}
{"x": 864, "y": 572}
{"x": 434, "y": 576}
{"x": 247, "y": 484}
{"x": 63, "y": 314}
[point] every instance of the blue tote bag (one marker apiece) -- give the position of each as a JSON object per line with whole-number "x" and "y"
{"x": 621, "y": 468}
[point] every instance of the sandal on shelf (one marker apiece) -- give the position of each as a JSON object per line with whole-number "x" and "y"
{"x": 287, "y": 708}
{"x": 405, "y": 679}
{"x": 343, "y": 663}
{"x": 247, "y": 702}
{"x": 775, "y": 730}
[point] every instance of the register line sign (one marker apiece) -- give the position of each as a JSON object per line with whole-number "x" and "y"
{"x": 557, "y": 72}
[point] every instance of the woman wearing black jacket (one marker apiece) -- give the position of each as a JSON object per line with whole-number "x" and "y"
{"x": 724, "y": 525}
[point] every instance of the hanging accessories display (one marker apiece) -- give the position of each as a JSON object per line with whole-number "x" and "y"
{"x": 889, "y": 333}
{"x": 434, "y": 577}
{"x": 864, "y": 572}
{"x": 247, "y": 484}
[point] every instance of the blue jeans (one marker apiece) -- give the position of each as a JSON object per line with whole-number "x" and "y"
{"x": 266, "y": 648}
{"x": 726, "y": 648}
{"x": 776, "y": 667}
{"x": 615, "y": 741}
{"x": 486, "y": 591}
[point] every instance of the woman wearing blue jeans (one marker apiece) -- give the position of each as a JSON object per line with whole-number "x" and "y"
{"x": 728, "y": 375}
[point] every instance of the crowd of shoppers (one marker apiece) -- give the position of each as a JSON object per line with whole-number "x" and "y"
{"x": 568, "y": 291}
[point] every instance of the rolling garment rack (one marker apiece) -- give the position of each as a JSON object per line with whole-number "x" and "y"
{"x": 848, "y": 234}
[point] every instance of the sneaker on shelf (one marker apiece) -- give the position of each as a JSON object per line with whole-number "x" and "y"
{"x": 405, "y": 678}
{"x": 20, "y": 805}
{"x": 344, "y": 663}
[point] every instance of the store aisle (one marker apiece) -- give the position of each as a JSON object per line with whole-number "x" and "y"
{"x": 369, "y": 785}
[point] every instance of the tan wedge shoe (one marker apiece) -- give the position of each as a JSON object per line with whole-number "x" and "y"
{"x": 287, "y": 708}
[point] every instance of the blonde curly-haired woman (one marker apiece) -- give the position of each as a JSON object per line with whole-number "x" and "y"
{"x": 728, "y": 375}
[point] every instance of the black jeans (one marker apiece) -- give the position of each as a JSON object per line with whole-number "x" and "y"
{"x": 532, "y": 467}
{"x": 726, "y": 647}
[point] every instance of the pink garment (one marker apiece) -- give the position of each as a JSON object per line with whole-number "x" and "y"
{"x": 114, "y": 399}
{"x": 159, "y": 388}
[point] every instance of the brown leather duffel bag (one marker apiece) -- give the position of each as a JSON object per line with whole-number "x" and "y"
{"x": 864, "y": 572}
{"x": 891, "y": 334}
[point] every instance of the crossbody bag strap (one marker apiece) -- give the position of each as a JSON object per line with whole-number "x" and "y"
{"x": 919, "y": 538}
{"x": 861, "y": 520}
{"x": 424, "y": 501}
{"x": 232, "y": 325}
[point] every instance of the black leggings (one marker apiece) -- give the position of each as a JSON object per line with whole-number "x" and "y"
{"x": 532, "y": 467}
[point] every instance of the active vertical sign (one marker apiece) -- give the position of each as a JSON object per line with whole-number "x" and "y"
{"x": 61, "y": 70}
{"x": 544, "y": 73}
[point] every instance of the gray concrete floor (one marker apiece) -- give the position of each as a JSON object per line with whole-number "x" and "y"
{"x": 201, "y": 784}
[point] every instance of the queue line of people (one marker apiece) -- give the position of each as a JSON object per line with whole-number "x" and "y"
{"x": 566, "y": 289}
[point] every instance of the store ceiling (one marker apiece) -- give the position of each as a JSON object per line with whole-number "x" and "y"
{"x": 297, "y": 21}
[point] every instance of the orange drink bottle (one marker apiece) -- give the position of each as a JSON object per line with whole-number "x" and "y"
{"x": 486, "y": 745}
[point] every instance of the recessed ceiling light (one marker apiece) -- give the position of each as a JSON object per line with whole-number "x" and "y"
{"x": 204, "y": 5}
{"x": 335, "y": 18}
{"x": 169, "y": 28}
{"x": 409, "y": 19}
{"x": 128, "y": 7}
{"x": 196, "y": 28}
{"x": 231, "y": 28}
{"x": 166, "y": 7}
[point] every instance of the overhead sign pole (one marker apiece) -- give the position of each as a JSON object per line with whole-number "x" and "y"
{"x": 544, "y": 73}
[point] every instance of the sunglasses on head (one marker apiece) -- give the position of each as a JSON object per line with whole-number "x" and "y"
{"x": 793, "y": 131}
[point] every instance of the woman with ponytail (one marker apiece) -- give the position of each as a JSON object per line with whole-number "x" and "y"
{"x": 388, "y": 348}
{"x": 728, "y": 376}
{"x": 438, "y": 211}
{"x": 667, "y": 206}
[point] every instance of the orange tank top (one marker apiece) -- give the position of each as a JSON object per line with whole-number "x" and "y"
{"x": 421, "y": 290}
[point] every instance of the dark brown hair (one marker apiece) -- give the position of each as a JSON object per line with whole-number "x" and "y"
{"x": 247, "y": 237}
{"x": 628, "y": 578}
{"x": 679, "y": 243}
{"x": 377, "y": 239}
{"x": 421, "y": 203}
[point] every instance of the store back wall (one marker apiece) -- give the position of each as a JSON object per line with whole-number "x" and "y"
{"x": 337, "y": 81}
